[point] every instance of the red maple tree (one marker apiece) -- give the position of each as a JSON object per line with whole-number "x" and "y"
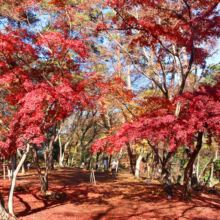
{"x": 199, "y": 115}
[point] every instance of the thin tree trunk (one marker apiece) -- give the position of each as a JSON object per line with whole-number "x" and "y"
{"x": 89, "y": 164}
{"x": 210, "y": 159}
{"x": 148, "y": 170}
{"x": 197, "y": 167}
{"x": 189, "y": 168}
{"x": 132, "y": 157}
{"x": 12, "y": 166}
{"x": 50, "y": 147}
{"x": 43, "y": 179}
{"x": 211, "y": 175}
{"x": 9, "y": 173}
{"x": 3, "y": 209}
{"x": 23, "y": 169}
{"x": 97, "y": 159}
{"x": 102, "y": 161}
{"x": 20, "y": 156}
{"x": 152, "y": 170}
{"x": 4, "y": 168}
{"x": 212, "y": 169}
{"x": 13, "y": 182}
{"x": 62, "y": 153}
{"x": 118, "y": 158}
{"x": 166, "y": 163}
{"x": 137, "y": 169}
{"x": 110, "y": 160}
{"x": 166, "y": 167}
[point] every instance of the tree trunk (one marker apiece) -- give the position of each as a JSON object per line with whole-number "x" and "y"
{"x": 4, "y": 168}
{"x": 166, "y": 162}
{"x": 12, "y": 167}
{"x": 211, "y": 175}
{"x": 89, "y": 164}
{"x": 9, "y": 173}
{"x": 43, "y": 179}
{"x": 20, "y": 156}
{"x": 189, "y": 169}
{"x": 148, "y": 170}
{"x": 3, "y": 209}
{"x": 137, "y": 170}
{"x": 166, "y": 167}
{"x": 13, "y": 182}
{"x": 132, "y": 157}
{"x": 197, "y": 167}
{"x": 43, "y": 183}
{"x": 204, "y": 168}
{"x": 61, "y": 153}
{"x": 110, "y": 160}
{"x": 118, "y": 158}
{"x": 50, "y": 148}
{"x": 97, "y": 159}
{"x": 212, "y": 169}
{"x": 23, "y": 169}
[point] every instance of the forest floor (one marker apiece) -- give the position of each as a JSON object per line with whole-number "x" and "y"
{"x": 112, "y": 198}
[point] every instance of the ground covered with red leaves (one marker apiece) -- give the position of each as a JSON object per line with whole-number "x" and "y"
{"x": 112, "y": 198}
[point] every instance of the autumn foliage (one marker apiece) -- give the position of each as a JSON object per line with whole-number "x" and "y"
{"x": 200, "y": 112}
{"x": 62, "y": 59}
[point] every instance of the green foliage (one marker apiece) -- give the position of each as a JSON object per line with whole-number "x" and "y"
{"x": 212, "y": 77}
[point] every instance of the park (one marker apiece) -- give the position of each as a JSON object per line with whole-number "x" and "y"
{"x": 109, "y": 109}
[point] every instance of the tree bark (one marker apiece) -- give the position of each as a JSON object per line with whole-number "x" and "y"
{"x": 204, "y": 168}
{"x": 50, "y": 147}
{"x": 110, "y": 160}
{"x": 13, "y": 182}
{"x": 23, "y": 169}
{"x": 118, "y": 158}
{"x": 211, "y": 175}
{"x": 4, "y": 168}
{"x": 189, "y": 168}
{"x": 20, "y": 156}
{"x": 137, "y": 168}
{"x": 63, "y": 150}
{"x": 43, "y": 179}
{"x": 61, "y": 153}
{"x": 166, "y": 166}
{"x": 97, "y": 159}
{"x": 166, "y": 162}
{"x": 132, "y": 156}
{"x": 212, "y": 169}
{"x": 148, "y": 170}
{"x": 3, "y": 209}
{"x": 89, "y": 164}
{"x": 197, "y": 166}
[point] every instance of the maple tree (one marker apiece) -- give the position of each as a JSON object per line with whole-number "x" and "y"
{"x": 44, "y": 85}
{"x": 198, "y": 116}
{"x": 44, "y": 78}
{"x": 42, "y": 81}
{"x": 174, "y": 39}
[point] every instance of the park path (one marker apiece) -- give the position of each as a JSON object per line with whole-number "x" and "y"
{"x": 112, "y": 198}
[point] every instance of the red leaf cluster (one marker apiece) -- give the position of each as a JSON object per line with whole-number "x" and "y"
{"x": 200, "y": 112}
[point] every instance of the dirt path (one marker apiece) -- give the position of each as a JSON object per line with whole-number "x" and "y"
{"x": 121, "y": 198}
